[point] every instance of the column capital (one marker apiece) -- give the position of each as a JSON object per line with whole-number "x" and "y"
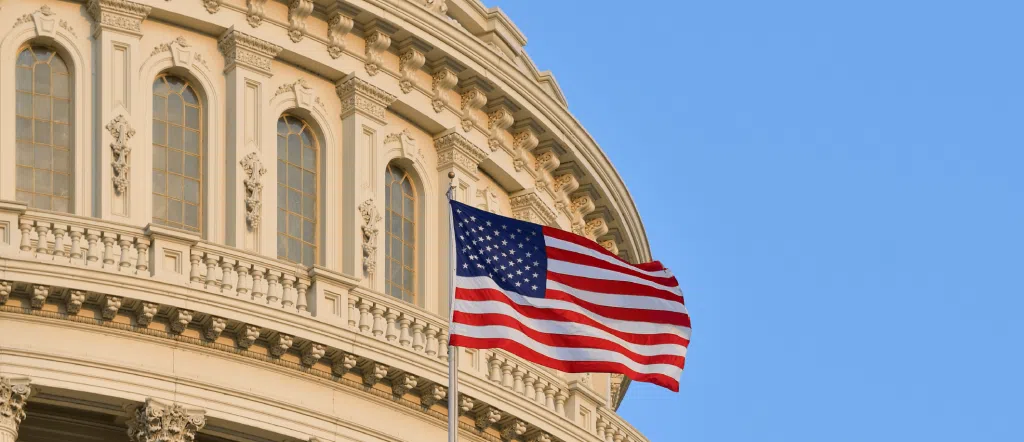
{"x": 242, "y": 49}
{"x": 118, "y": 15}
{"x": 14, "y": 393}
{"x": 454, "y": 150}
{"x": 155, "y": 421}
{"x": 359, "y": 96}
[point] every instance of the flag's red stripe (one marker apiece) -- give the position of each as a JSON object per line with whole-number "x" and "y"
{"x": 652, "y": 266}
{"x": 623, "y": 288}
{"x": 553, "y": 314}
{"x": 590, "y": 261}
{"x": 557, "y": 340}
{"x": 623, "y": 313}
{"x": 566, "y": 366}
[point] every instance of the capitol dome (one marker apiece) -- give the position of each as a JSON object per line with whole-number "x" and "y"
{"x": 225, "y": 220}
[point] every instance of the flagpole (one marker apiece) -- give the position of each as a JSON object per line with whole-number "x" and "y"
{"x": 453, "y": 352}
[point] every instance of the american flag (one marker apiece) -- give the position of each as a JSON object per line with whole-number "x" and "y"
{"x": 563, "y": 301}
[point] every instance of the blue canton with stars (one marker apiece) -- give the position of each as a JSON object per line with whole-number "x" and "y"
{"x": 509, "y": 251}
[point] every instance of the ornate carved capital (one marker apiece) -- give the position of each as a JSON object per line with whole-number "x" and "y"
{"x": 39, "y": 294}
{"x": 298, "y": 12}
{"x": 122, "y": 133}
{"x": 359, "y": 96}
{"x": 486, "y": 417}
{"x": 345, "y": 363}
{"x": 247, "y": 335}
{"x": 110, "y": 304}
{"x": 241, "y": 49}
{"x": 118, "y": 15}
{"x": 254, "y": 170}
{"x": 403, "y": 383}
{"x": 453, "y": 149}
{"x": 255, "y": 13}
{"x": 155, "y": 421}
{"x": 14, "y": 393}
{"x": 466, "y": 404}
{"x": 180, "y": 319}
{"x": 512, "y": 430}
{"x": 280, "y": 344}
{"x": 147, "y": 311}
{"x": 312, "y": 354}
{"x": 531, "y": 208}
{"x": 214, "y": 327}
{"x": 433, "y": 394}
{"x": 368, "y": 210}
{"x": 5, "y": 291}
{"x": 73, "y": 302}
{"x": 373, "y": 372}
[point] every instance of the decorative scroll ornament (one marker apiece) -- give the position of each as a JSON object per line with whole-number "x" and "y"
{"x": 410, "y": 62}
{"x": 370, "y": 220}
{"x": 472, "y": 100}
{"x": 498, "y": 121}
{"x": 254, "y": 169}
{"x": 158, "y": 422}
{"x": 122, "y": 132}
{"x": 255, "y": 14}
{"x": 212, "y": 6}
{"x": 337, "y": 28}
{"x": 298, "y": 11}
{"x": 376, "y": 44}
{"x": 444, "y": 81}
{"x": 13, "y": 394}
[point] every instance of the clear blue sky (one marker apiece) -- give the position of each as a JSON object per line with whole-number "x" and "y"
{"x": 838, "y": 187}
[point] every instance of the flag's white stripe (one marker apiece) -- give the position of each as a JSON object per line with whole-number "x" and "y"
{"x": 569, "y": 268}
{"x": 551, "y": 241}
{"x": 637, "y": 327}
{"x": 567, "y": 354}
{"x": 620, "y": 301}
{"x": 566, "y": 328}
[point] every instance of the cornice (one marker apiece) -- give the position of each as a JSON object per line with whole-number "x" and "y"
{"x": 241, "y": 49}
{"x": 359, "y": 96}
{"x": 528, "y": 206}
{"x": 118, "y": 15}
{"x": 453, "y": 149}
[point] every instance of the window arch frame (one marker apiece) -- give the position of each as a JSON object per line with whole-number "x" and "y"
{"x": 308, "y": 125}
{"x": 204, "y": 158}
{"x": 73, "y": 172}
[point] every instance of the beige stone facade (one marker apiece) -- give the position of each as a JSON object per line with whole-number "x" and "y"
{"x": 279, "y": 273}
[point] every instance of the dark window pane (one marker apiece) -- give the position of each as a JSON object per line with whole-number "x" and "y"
{"x": 174, "y": 136}
{"x": 190, "y": 96}
{"x": 307, "y": 255}
{"x": 282, "y": 246}
{"x": 174, "y": 211}
{"x": 41, "y": 107}
{"x": 25, "y": 58}
{"x": 160, "y": 133}
{"x": 308, "y": 207}
{"x": 308, "y": 158}
{"x": 42, "y": 79}
{"x": 26, "y": 154}
{"x": 308, "y": 232}
{"x": 192, "y": 191}
{"x": 192, "y": 166}
{"x": 294, "y": 250}
{"x": 42, "y": 132}
{"x": 174, "y": 160}
{"x": 192, "y": 216}
{"x": 160, "y": 87}
{"x": 24, "y": 178}
{"x": 24, "y": 129}
{"x": 24, "y": 80}
{"x": 44, "y": 181}
{"x": 62, "y": 204}
{"x": 61, "y": 135}
{"x": 61, "y": 111}
{"x": 174, "y": 186}
{"x": 159, "y": 107}
{"x": 159, "y": 207}
{"x": 175, "y": 84}
{"x": 61, "y": 185}
{"x": 308, "y": 182}
{"x": 159, "y": 183}
{"x": 192, "y": 117}
{"x": 58, "y": 66}
{"x": 159, "y": 158}
{"x": 282, "y": 197}
{"x": 294, "y": 177}
{"x": 62, "y": 160}
{"x": 61, "y": 86}
{"x": 191, "y": 141}
{"x": 174, "y": 109}
{"x": 23, "y": 104}
{"x": 41, "y": 201}
{"x": 44, "y": 157}
{"x": 294, "y": 150}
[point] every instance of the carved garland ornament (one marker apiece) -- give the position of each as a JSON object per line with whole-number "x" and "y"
{"x": 122, "y": 133}
{"x": 370, "y": 220}
{"x": 254, "y": 170}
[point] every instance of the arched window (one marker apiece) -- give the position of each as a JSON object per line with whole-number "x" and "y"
{"x": 43, "y": 130}
{"x": 296, "y": 190}
{"x": 400, "y": 225}
{"x": 177, "y": 154}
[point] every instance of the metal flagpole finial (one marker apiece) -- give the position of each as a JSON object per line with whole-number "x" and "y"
{"x": 451, "y": 186}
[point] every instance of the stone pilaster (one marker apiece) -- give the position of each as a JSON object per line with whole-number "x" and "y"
{"x": 248, "y": 67}
{"x": 116, "y": 34}
{"x": 363, "y": 117}
{"x": 156, "y": 421}
{"x": 13, "y": 394}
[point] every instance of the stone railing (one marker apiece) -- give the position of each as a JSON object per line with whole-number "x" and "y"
{"x": 160, "y": 255}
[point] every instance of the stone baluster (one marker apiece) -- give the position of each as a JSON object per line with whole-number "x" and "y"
{"x": 353, "y": 313}
{"x": 58, "y": 240}
{"x": 42, "y": 238}
{"x": 228, "y": 280}
{"x": 528, "y": 389}
{"x": 195, "y": 274}
{"x": 301, "y": 302}
{"x": 431, "y": 333}
{"x": 273, "y": 288}
{"x": 365, "y": 317}
{"x": 142, "y": 253}
{"x": 26, "y": 236}
{"x": 288, "y": 292}
{"x": 244, "y": 280}
{"x": 404, "y": 338}
{"x": 76, "y": 243}
{"x": 619, "y": 435}
{"x": 379, "y": 323}
{"x": 549, "y": 396}
{"x": 442, "y": 346}
{"x": 258, "y": 289}
{"x": 495, "y": 365}
{"x": 93, "y": 252}
{"x": 539, "y": 392}
{"x": 506, "y": 374}
{"x": 108, "y": 248}
{"x": 211, "y": 270}
{"x": 560, "y": 398}
{"x": 601, "y": 425}
{"x": 391, "y": 333}
{"x": 517, "y": 379}
{"x": 417, "y": 336}
{"x": 125, "y": 242}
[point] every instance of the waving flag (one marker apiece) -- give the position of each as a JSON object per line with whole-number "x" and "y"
{"x": 563, "y": 301}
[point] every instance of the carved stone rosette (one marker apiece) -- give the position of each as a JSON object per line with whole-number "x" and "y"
{"x": 371, "y": 218}
{"x": 155, "y": 421}
{"x": 254, "y": 170}
{"x": 122, "y": 133}
{"x": 14, "y": 393}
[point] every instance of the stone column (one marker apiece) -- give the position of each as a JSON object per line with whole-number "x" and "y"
{"x": 251, "y": 146}
{"x": 363, "y": 117}
{"x": 119, "y": 114}
{"x": 455, "y": 154}
{"x": 13, "y": 394}
{"x": 156, "y": 421}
